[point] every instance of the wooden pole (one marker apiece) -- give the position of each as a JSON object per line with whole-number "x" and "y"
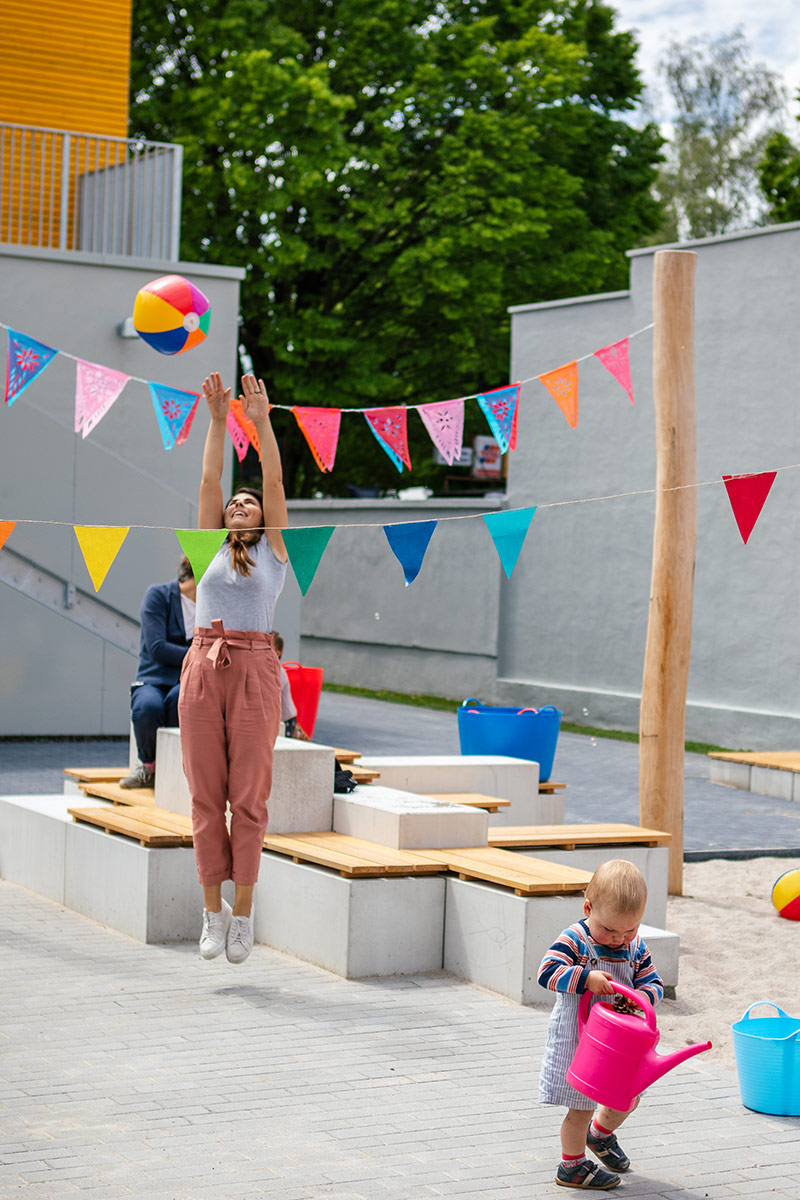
{"x": 665, "y": 680}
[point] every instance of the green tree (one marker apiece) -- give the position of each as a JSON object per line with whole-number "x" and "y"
{"x": 779, "y": 177}
{"x": 724, "y": 110}
{"x": 393, "y": 174}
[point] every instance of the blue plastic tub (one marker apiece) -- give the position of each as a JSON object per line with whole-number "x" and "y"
{"x": 518, "y": 732}
{"x": 768, "y": 1061}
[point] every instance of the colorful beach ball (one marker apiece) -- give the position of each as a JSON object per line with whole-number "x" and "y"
{"x": 786, "y": 894}
{"x": 171, "y": 314}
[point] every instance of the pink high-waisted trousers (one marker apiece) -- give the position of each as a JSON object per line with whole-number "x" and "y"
{"x": 229, "y": 712}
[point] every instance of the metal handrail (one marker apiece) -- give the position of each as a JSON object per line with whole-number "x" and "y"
{"x": 76, "y": 191}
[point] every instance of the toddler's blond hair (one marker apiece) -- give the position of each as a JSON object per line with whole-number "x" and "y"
{"x": 618, "y": 884}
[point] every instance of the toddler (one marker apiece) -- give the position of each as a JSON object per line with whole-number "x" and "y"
{"x": 587, "y": 956}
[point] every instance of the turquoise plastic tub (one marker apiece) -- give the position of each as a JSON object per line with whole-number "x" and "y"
{"x": 768, "y": 1061}
{"x": 518, "y": 732}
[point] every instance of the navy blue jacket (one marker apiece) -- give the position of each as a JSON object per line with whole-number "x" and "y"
{"x": 162, "y": 641}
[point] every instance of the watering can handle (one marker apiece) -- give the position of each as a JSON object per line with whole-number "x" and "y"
{"x": 586, "y": 1000}
{"x": 771, "y": 1005}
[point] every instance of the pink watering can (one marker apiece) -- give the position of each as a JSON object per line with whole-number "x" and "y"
{"x": 616, "y": 1057}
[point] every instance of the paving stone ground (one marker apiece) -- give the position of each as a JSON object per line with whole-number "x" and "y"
{"x": 140, "y": 1071}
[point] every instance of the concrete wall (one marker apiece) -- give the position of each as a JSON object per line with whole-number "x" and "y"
{"x": 574, "y": 618}
{"x": 56, "y": 678}
{"x": 365, "y": 628}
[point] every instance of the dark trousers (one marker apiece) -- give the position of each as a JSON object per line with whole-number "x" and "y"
{"x": 153, "y": 705}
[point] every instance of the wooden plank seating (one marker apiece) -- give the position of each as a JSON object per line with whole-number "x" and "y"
{"x": 549, "y": 787}
{"x": 352, "y": 857}
{"x": 782, "y": 760}
{"x": 525, "y": 876}
{"x": 138, "y": 797}
{"x": 148, "y": 826}
{"x": 472, "y": 800}
{"x": 362, "y": 774}
{"x": 96, "y": 774}
{"x": 345, "y": 757}
{"x": 568, "y": 837}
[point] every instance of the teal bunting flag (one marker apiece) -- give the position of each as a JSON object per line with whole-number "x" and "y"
{"x": 500, "y": 408}
{"x": 409, "y": 543}
{"x": 200, "y": 546}
{"x": 508, "y": 530}
{"x": 175, "y": 411}
{"x": 305, "y": 548}
{"x": 27, "y": 358}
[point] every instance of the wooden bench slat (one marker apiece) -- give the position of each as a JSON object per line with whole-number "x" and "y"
{"x": 549, "y": 786}
{"x": 346, "y": 757}
{"x": 787, "y": 760}
{"x": 527, "y": 876}
{"x": 472, "y": 800}
{"x": 363, "y": 774}
{"x": 569, "y": 836}
{"x": 351, "y": 856}
{"x": 126, "y": 797}
{"x": 117, "y": 820}
{"x": 96, "y": 774}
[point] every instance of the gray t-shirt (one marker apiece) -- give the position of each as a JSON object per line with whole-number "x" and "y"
{"x": 241, "y": 601}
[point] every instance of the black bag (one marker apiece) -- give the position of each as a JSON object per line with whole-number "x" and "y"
{"x": 343, "y": 781}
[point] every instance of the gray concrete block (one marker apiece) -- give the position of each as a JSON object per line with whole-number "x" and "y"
{"x": 407, "y": 821}
{"x": 770, "y": 781}
{"x": 652, "y": 861}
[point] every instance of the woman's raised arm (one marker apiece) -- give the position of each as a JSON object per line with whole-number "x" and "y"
{"x": 255, "y": 405}
{"x": 218, "y": 398}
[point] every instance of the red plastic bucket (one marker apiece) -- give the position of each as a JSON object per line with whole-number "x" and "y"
{"x": 306, "y": 687}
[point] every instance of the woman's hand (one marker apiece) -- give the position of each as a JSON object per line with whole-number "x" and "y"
{"x": 255, "y": 404}
{"x": 218, "y": 398}
{"x": 600, "y": 982}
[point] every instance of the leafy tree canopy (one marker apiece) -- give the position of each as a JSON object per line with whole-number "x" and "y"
{"x": 724, "y": 109}
{"x": 393, "y": 174}
{"x": 779, "y": 177}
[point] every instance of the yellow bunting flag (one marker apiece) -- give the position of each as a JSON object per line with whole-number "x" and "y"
{"x": 100, "y": 545}
{"x": 562, "y": 384}
{"x": 5, "y": 530}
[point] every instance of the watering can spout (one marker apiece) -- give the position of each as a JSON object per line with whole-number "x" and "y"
{"x": 655, "y": 1065}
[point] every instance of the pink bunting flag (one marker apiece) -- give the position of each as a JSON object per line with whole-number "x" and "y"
{"x": 445, "y": 424}
{"x": 239, "y": 425}
{"x": 237, "y": 435}
{"x": 748, "y": 494}
{"x": 320, "y": 427}
{"x": 96, "y": 389}
{"x": 615, "y": 359}
{"x": 389, "y": 427}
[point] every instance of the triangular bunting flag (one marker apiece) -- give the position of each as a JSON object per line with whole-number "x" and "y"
{"x": 320, "y": 427}
{"x": 96, "y": 389}
{"x": 245, "y": 424}
{"x": 187, "y": 424}
{"x": 500, "y": 407}
{"x": 409, "y": 543}
{"x": 389, "y": 427}
{"x": 27, "y": 358}
{"x": 173, "y": 409}
{"x": 305, "y": 548}
{"x": 6, "y": 528}
{"x": 562, "y": 384}
{"x": 237, "y": 435}
{"x": 100, "y": 545}
{"x": 747, "y": 494}
{"x": 615, "y": 359}
{"x": 445, "y": 423}
{"x": 200, "y": 546}
{"x": 508, "y": 531}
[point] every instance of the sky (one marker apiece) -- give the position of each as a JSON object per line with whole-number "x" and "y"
{"x": 772, "y": 27}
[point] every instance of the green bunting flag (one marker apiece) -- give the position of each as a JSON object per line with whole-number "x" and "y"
{"x": 508, "y": 531}
{"x": 305, "y": 548}
{"x": 200, "y": 546}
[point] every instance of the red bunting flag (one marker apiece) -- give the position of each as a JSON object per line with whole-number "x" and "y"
{"x": 320, "y": 427}
{"x": 615, "y": 359}
{"x": 747, "y": 494}
{"x": 562, "y": 384}
{"x": 389, "y": 427}
{"x": 445, "y": 424}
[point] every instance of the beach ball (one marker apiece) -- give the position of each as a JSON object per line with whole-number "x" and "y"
{"x": 786, "y": 894}
{"x": 171, "y": 314}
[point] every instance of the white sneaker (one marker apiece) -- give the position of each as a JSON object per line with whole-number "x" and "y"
{"x": 240, "y": 938}
{"x": 215, "y": 931}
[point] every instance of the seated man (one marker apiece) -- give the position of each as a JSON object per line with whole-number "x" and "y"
{"x": 167, "y": 617}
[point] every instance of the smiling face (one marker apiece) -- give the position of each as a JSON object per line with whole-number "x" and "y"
{"x": 243, "y": 511}
{"x": 610, "y": 928}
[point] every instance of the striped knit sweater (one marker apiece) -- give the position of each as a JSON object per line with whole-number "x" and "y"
{"x": 566, "y": 966}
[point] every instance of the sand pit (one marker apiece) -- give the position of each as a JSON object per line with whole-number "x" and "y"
{"x": 735, "y": 950}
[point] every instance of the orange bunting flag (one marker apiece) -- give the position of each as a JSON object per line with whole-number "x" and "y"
{"x": 562, "y": 384}
{"x": 5, "y": 531}
{"x": 237, "y": 412}
{"x": 320, "y": 427}
{"x": 100, "y": 545}
{"x": 748, "y": 494}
